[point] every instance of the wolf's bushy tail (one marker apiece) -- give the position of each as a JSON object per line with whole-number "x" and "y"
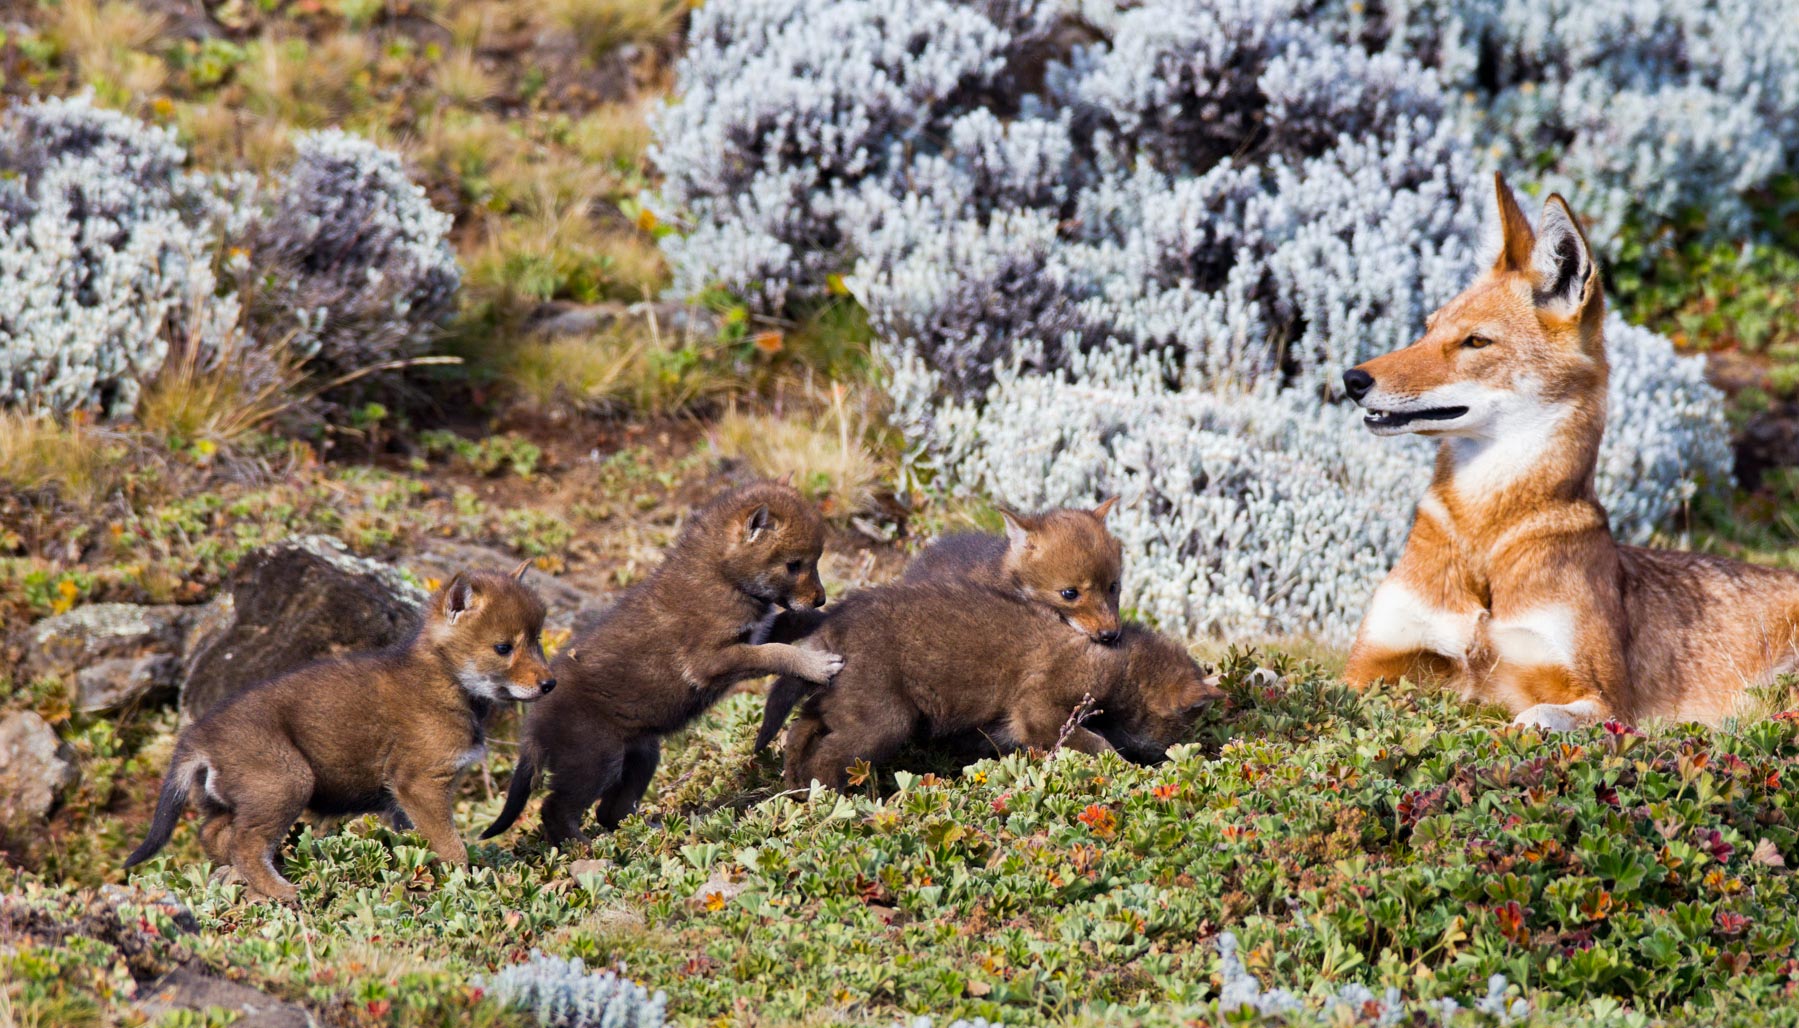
{"x": 783, "y": 696}
{"x": 170, "y": 804}
{"x": 524, "y": 776}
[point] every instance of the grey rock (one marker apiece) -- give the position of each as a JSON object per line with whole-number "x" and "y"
{"x": 35, "y": 768}
{"x": 288, "y": 605}
{"x": 122, "y": 682}
{"x": 61, "y": 646}
{"x": 191, "y": 988}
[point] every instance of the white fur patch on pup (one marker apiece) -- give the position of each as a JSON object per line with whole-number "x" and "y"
{"x": 1540, "y": 637}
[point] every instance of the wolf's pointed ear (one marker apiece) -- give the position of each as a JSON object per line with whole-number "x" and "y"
{"x": 1515, "y": 237}
{"x": 459, "y": 597}
{"x": 1018, "y": 528}
{"x": 786, "y": 480}
{"x": 518, "y": 573}
{"x": 755, "y": 524}
{"x": 1564, "y": 276}
{"x": 1105, "y": 507}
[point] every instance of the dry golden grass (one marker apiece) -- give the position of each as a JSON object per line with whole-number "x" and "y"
{"x": 106, "y": 41}
{"x": 461, "y": 79}
{"x": 215, "y": 400}
{"x": 630, "y": 367}
{"x": 599, "y": 26}
{"x": 220, "y": 135}
{"x": 823, "y": 443}
{"x": 307, "y": 86}
{"x": 615, "y": 135}
{"x": 81, "y": 462}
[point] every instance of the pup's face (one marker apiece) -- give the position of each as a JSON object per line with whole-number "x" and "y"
{"x": 490, "y": 628}
{"x": 776, "y": 540}
{"x": 1067, "y": 561}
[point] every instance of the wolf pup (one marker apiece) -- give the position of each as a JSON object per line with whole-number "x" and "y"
{"x": 1511, "y": 588}
{"x": 667, "y": 650}
{"x": 1063, "y": 560}
{"x": 938, "y": 660}
{"x": 384, "y": 732}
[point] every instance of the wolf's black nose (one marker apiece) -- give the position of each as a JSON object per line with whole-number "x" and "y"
{"x": 546, "y": 685}
{"x": 1109, "y": 637}
{"x": 1357, "y": 382}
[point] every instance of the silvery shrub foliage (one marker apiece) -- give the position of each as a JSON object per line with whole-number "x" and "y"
{"x": 106, "y": 247}
{"x": 1639, "y": 110}
{"x": 563, "y": 993}
{"x": 359, "y": 263}
{"x": 1131, "y": 251}
{"x": 112, "y": 252}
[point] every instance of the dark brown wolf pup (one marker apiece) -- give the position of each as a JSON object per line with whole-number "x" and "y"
{"x": 384, "y": 732}
{"x": 669, "y": 649}
{"x": 1063, "y": 560}
{"x": 936, "y": 660}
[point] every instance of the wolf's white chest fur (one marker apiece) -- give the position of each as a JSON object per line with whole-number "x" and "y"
{"x": 1399, "y": 619}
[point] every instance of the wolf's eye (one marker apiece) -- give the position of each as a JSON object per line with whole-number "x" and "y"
{"x": 1477, "y": 342}
{"x": 502, "y": 648}
{"x": 1071, "y": 595}
{"x": 794, "y": 566}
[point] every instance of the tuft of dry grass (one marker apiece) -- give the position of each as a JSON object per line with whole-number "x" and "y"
{"x": 462, "y": 80}
{"x": 824, "y": 444}
{"x": 220, "y": 135}
{"x": 600, "y": 26}
{"x": 631, "y": 367}
{"x": 613, "y": 136}
{"x": 305, "y": 86}
{"x": 37, "y": 451}
{"x": 215, "y": 399}
{"x": 107, "y": 42}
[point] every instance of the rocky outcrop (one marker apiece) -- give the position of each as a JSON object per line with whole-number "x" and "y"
{"x": 35, "y": 768}
{"x": 117, "y": 654}
{"x": 288, "y": 605}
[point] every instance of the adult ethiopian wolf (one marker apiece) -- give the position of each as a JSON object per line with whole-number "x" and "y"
{"x": 1511, "y": 587}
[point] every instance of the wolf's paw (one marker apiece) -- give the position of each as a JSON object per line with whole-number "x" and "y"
{"x": 818, "y": 666}
{"x": 1559, "y": 717}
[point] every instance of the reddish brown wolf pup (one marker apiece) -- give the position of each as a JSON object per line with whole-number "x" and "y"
{"x": 666, "y": 651}
{"x": 385, "y": 732}
{"x": 1063, "y": 560}
{"x": 1511, "y": 588}
{"x": 936, "y": 660}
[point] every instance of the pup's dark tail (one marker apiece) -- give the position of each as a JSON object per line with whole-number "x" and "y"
{"x": 169, "y": 805}
{"x": 524, "y": 776}
{"x": 783, "y": 696}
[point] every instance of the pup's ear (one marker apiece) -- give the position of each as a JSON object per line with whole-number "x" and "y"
{"x": 518, "y": 573}
{"x": 756, "y": 524}
{"x": 459, "y": 597}
{"x": 1105, "y": 507}
{"x": 786, "y": 480}
{"x": 1563, "y": 274}
{"x": 1186, "y": 697}
{"x": 1515, "y": 237}
{"x": 1018, "y": 529}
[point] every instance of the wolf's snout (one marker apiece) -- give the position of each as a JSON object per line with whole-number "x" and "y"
{"x": 1357, "y": 383}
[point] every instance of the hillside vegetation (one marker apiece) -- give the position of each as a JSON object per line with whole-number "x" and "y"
{"x": 608, "y": 356}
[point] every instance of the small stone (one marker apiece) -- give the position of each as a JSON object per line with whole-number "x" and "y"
{"x": 191, "y": 988}
{"x": 580, "y": 868}
{"x": 35, "y": 768}
{"x": 61, "y": 646}
{"x": 123, "y": 681}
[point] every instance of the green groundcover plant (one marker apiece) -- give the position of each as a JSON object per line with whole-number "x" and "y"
{"x": 1387, "y": 841}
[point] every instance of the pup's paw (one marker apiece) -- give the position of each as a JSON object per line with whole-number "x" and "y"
{"x": 819, "y": 666}
{"x": 1558, "y": 717}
